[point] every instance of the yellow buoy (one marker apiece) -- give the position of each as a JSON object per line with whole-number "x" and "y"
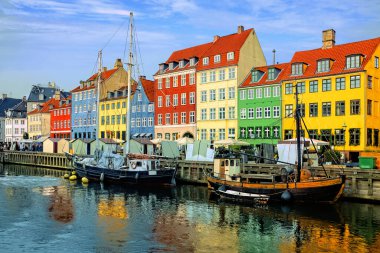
{"x": 85, "y": 180}
{"x": 66, "y": 176}
{"x": 73, "y": 177}
{"x": 73, "y": 172}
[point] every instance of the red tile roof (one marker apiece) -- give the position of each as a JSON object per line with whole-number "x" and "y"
{"x": 337, "y": 53}
{"x": 148, "y": 86}
{"x": 223, "y": 45}
{"x": 46, "y": 106}
{"x": 264, "y": 79}
{"x": 105, "y": 75}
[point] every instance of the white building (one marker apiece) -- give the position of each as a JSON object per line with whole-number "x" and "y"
{"x": 16, "y": 123}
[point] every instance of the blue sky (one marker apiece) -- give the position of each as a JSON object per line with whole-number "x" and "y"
{"x": 56, "y": 40}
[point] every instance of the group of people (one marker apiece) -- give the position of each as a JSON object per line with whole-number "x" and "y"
{"x": 20, "y": 146}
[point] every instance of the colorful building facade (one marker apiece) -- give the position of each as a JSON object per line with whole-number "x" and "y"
{"x": 5, "y": 104}
{"x": 61, "y": 119}
{"x": 259, "y": 103}
{"x": 16, "y": 122}
{"x": 222, "y": 67}
{"x": 142, "y": 113}
{"x": 338, "y": 88}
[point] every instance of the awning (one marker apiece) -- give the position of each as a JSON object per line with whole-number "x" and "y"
{"x": 142, "y": 135}
{"x": 135, "y": 135}
{"x": 148, "y": 135}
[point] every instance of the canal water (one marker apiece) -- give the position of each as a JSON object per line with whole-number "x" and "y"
{"x": 41, "y": 212}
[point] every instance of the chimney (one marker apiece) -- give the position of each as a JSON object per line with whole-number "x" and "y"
{"x": 328, "y": 38}
{"x": 240, "y": 29}
{"x": 104, "y": 69}
{"x": 4, "y": 96}
{"x": 118, "y": 64}
{"x": 216, "y": 37}
{"x": 142, "y": 77}
{"x": 57, "y": 95}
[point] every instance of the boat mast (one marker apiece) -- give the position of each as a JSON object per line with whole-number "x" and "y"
{"x": 128, "y": 131}
{"x": 298, "y": 135}
{"x": 97, "y": 96}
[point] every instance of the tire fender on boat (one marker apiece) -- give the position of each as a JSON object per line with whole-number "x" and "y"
{"x": 286, "y": 196}
{"x": 133, "y": 165}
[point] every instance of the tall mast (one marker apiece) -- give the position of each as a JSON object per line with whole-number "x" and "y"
{"x": 128, "y": 132}
{"x": 97, "y": 96}
{"x": 298, "y": 135}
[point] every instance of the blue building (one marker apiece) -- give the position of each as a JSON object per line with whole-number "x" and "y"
{"x": 142, "y": 114}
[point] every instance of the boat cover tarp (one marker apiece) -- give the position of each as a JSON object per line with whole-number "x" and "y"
{"x": 107, "y": 160}
{"x": 200, "y": 151}
{"x": 169, "y": 149}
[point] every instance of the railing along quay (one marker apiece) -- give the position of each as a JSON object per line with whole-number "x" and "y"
{"x": 363, "y": 184}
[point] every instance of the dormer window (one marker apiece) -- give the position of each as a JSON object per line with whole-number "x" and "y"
{"x": 353, "y": 61}
{"x": 271, "y": 74}
{"x": 217, "y": 58}
{"x": 171, "y": 65}
{"x": 230, "y": 56}
{"x": 205, "y": 61}
{"x": 297, "y": 69}
{"x": 181, "y": 63}
{"x": 323, "y": 65}
{"x": 193, "y": 61}
{"x": 256, "y": 75}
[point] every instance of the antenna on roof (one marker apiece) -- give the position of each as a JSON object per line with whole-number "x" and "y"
{"x": 274, "y": 56}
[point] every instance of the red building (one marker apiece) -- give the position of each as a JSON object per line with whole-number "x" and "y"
{"x": 175, "y": 92}
{"x": 60, "y": 115}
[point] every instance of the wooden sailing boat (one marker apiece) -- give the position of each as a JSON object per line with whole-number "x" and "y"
{"x": 130, "y": 168}
{"x": 229, "y": 181}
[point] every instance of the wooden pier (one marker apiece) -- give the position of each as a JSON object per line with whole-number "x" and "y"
{"x": 362, "y": 184}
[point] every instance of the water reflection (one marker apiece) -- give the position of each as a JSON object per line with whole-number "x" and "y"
{"x": 104, "y": 218}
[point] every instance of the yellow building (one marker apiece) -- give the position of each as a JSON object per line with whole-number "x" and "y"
{"x": 339, "y": 89}
{"x": 113, "y": 114}
{"x": 219, "y": 72}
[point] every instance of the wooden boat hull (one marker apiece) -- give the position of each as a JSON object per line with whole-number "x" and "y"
{"x": 162, "y": 176}
{"x": 323, "y": 190}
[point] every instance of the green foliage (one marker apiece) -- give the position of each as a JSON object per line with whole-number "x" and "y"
{"x": 332, "y": 156}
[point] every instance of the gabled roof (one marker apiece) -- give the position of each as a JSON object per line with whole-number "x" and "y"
{"x": 223, "y": 45}
{"x": 104, "y": 76}
{"x": 264, "y": 78}
{"x": 19, "y": 110}
{"x": 337, "y": 54}
{"x": 34, "y": 95}
{"x": 148, "y": 87}
{"x": 46, "y": 106}
{"x": 7, "y": 103}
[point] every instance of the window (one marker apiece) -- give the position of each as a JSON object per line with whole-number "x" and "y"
{"x": 192, "y": 98}
{"x": 175, "y": 118}
{"x": 231, "y": 93}
{"x": 159, "y": 102}
{"x": 212, "y": 76}
{"x": 203, "y": 114}
{"x": 222, "y": 94}
{"x": 222, "y": 74}
{"x": 212, "y": 95}
{"x": 183, "y": 98}
{"x": 353, "y": 61}
{"x": 251, "y": 93}
{"x": 313, "y": 86}
{"x": 276, "y": 111}
{"x": 159, "y": 84}
{"x": 266, "y": 112}
{"x": 258, "y": 132}
{"x": 192, "y": 61}
{"x": 297, "y": 69}
{"x": 301, "y": 110}
{"x": 276, "y": 91}
{"x": 242, "y": 94}
{"x": 271, "y": 74}
{"x": 243, "y": 113}
{"x": 301, "y": 87}
{"x": 203, "y": 134}
{"x": 326, "y": 85}
{"x": 376, "y": 137}
{"x": 205, "y": 61}
{"x": 354, "y": 136}
{"x": 369, "y": 137}
{"x": 340, "y": 108}
{"x": 288, "y": 88}
{"x": 231, "y": 112}
{"x": 259, "y": 93}
{"x": 230, "y": 56}
{"x": 192, "y": 117}
{"x": 222, "y": 113}
{"x": 212, "y": 113}
{"x": 167, "y": 100}
{"x": 369, "y": 107}
{"x": 255, "y": 76}
{"x": 151, "y": 107}
{"x": 326, "y": 109}
{"x": 118, "y": 117}
{"x": 175, "y": 99}
{"x": 288, "y": 111}
{"x": 203, "y": 96}
{"x": 313, "y": 134}
{"x": 217, "y": 58}
{"x": 369, "y": 82}
{"x": 323, "y": 66}
{"x": 181, "y": 63}
{"x": 183, "y": 80}
{"x": 204, "y": 77}
{"x": 340, "y": 83}
{"x": 112, "y": 120}
{"x": 267, "y": 91}
{"x": 288, "y": 134}
{"x": 231, "y": 73}
{"x": 376, "y": 62}
{"x": 167, "y": 82}
{"x": 231, "y": 134}
{"x": 251, "y": 113}
{"x": 192, "y": 78}
{"x": 259, "y": 113}
{"x": 183, "y": 117}
{"x": 326, "y": 135}
{"x": 175, "y": 81}
{"x": 222, "y": 133}
{"x": 267, "y": 132}
{"x": 355, "y": 107}
{"x": 212, "y": 133}
{"x": 354, "y": 82}
{"x": 313, "y": 110}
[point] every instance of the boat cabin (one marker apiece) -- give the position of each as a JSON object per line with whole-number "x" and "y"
{"x": 150, "y": 165}
{"x": 227, "y": 168}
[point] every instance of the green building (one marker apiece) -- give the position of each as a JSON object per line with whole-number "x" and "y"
{"x": 260, "y": 105}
